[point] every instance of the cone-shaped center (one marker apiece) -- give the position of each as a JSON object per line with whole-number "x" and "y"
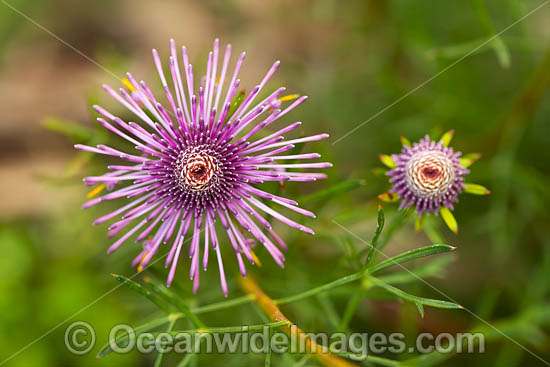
{"x": 197, "y": 170}
{"x": 430, "y": 173}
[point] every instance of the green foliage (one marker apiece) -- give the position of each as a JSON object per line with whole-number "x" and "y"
{"x": 158, "y": 293}
{"x": 411, "y": 255}
{"x": 357, "y": 61}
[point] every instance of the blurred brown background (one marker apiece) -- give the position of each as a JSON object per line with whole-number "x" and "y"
{"x": 353, "y": 58}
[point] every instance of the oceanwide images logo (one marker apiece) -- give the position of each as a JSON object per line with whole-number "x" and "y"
{"x": 80, "y": 339}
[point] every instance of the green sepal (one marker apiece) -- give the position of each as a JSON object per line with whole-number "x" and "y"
{"x": 387, "y": 160}
{"x": 476, "y": 189}
{"x": 449, "y": 219}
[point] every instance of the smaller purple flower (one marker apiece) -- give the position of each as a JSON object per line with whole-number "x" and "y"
{"x": 429, "y": 176}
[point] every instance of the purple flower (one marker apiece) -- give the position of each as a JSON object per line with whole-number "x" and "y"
{"x": 200, "y": 159}
{"x": 427, "y": 175}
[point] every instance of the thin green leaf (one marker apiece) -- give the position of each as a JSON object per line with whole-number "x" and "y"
{"x": 122, "y": 340}
{"x": 410, "y": 255}
{"x": 288, "y": 361}
{"x": 376, "y": 237}
{"x": 160, "y": 356}
{"x": 190, "y": 357}
{"x": 325, "y": 287}
{"x": 502, "y": 52}
{"x": 267, "y": 362}
{"x": 328, "y": 309}
{"x": 351, "y": 307}
{"x": 138, "y": 288}
{"x": 405, "y": 141}
{"x": 351, "y": 252}
{"x": 420, "y": 308}
{"x": 176, "y": 301}
{"x": 432, "y": 268}
{"x": 179, "y": 334}
{"x": 375, "y": 360}
{"x": 458, "y": 50}
{"x": 223, "y": 304}
{"x": 386, "y": 362}
{"x": 415, "y": 299}
{"x": 187, "y": 359}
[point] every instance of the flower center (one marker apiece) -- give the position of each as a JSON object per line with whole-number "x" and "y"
{"x": 197, "y": 169}
{"x": 430, "y": 173}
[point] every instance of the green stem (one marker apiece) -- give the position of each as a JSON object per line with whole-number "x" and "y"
{"x": 313, "y": 291}
{"x": 378, "y": 360}
{"x": 176, "y": 301}
{"x": 225, "y": 329}
{"x": 224, "y": 304}
{"x": 187, "y": 359}
{"x": 329, "y": 310}
{"x": 160, "y": 356}
{"x": 431, "y": 231}
{"x": 376, "y": 237}
{"x": 138, "y": 288}
{"x": 172, "y": 317}
{"x": 396, "y": 222}
{"x": 350, "y": 310}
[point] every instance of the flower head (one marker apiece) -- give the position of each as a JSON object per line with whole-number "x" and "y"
{"x": 429, "y": 176}
{"x": 199, "y": 160}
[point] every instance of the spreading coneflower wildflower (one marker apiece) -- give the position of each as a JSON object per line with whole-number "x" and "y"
{"x": 199, "y": 159}
{"x": 429, "y": 176}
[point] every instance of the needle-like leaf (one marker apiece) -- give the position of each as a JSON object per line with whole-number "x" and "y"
{"x": 138, "y": 288}
{"x": 410, "y": 255}
{"x": 376, "y": 237}
{"x": 415, "y": 299}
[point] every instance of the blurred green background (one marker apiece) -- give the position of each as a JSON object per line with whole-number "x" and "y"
{"x": 353, "y": 59}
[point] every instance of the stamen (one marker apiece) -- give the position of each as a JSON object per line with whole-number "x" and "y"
{"x": 128, "y": 85}
{"x": 255, "y": 258}
{"x": 140, "y": 266}
{"x": 95, "y": 191}
{"x": 289, "y": 97}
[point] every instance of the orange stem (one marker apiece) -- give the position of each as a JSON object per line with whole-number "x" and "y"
{"x": 321, "y": 353}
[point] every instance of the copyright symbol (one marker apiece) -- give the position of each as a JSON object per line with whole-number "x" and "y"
{"x": 79, "y": 338}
